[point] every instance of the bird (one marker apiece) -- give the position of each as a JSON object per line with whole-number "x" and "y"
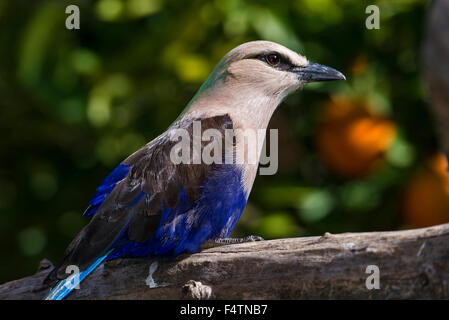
{"x": 152, "y": 206}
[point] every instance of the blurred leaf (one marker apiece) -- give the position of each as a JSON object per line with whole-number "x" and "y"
{"x": 109, "y": 10}
{"x": 31, "y": 241}
{"x": 316, "y": 205}
{"x": 278, "y": 225}
{"x": 36, "y": 40}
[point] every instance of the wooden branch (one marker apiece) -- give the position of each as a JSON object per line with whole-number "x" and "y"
{"x": 413, "y": 264}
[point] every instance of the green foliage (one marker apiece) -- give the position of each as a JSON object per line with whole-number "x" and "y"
{"x": 74, "y": 103}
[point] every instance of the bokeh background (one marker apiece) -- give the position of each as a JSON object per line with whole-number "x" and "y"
{"x": 355, "y": 155}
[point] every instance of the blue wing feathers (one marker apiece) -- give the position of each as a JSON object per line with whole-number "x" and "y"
{"x": 187, "y": 225}
{"x": 106, "y": 187}
{"x": 217, "y": 210}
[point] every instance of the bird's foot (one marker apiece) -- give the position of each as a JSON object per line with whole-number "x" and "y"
{"x": 224, "y": 241}
{"x": 237, "y": 240}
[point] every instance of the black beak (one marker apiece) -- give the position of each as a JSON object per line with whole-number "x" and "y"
{"x": 316, "y": 72}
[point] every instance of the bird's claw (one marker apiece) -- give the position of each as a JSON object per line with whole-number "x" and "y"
{"x": 238, "y": 240}
{"x": 252, "y": 238}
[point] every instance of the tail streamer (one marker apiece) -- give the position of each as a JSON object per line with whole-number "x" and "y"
{"x": 64, "y": 287}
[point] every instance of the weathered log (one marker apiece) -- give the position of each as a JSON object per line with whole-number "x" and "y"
{"x": 413, "y": 264}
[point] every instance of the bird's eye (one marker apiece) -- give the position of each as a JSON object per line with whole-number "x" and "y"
{"x": 273, "y": 59}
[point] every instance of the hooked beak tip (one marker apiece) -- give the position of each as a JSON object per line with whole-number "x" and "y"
{"x": 341, "y": 76}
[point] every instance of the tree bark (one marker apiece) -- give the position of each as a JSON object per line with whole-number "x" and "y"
{"x": 413, "y": 264}
{"x": 435, "y": 68}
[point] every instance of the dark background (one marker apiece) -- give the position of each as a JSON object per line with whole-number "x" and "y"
{"x": 355, "y": 155}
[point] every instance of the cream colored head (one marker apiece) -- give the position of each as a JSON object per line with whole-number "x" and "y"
{"x": 268, "y": 68}
{"x": 252, "y": 79}
{"x": 264, "y": 65}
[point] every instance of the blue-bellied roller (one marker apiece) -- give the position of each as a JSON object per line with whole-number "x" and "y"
{"x": 154, "y": 205}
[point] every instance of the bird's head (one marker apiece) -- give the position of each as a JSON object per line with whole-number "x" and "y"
{"x": 252, "y": 79}
{"x": 270, "y": 68}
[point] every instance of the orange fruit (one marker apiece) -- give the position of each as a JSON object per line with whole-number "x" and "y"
{"x": 426, "y": 197}
{"x": 351, "y": 140}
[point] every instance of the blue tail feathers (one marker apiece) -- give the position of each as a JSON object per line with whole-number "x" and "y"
{"x": 64, "y": 287}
